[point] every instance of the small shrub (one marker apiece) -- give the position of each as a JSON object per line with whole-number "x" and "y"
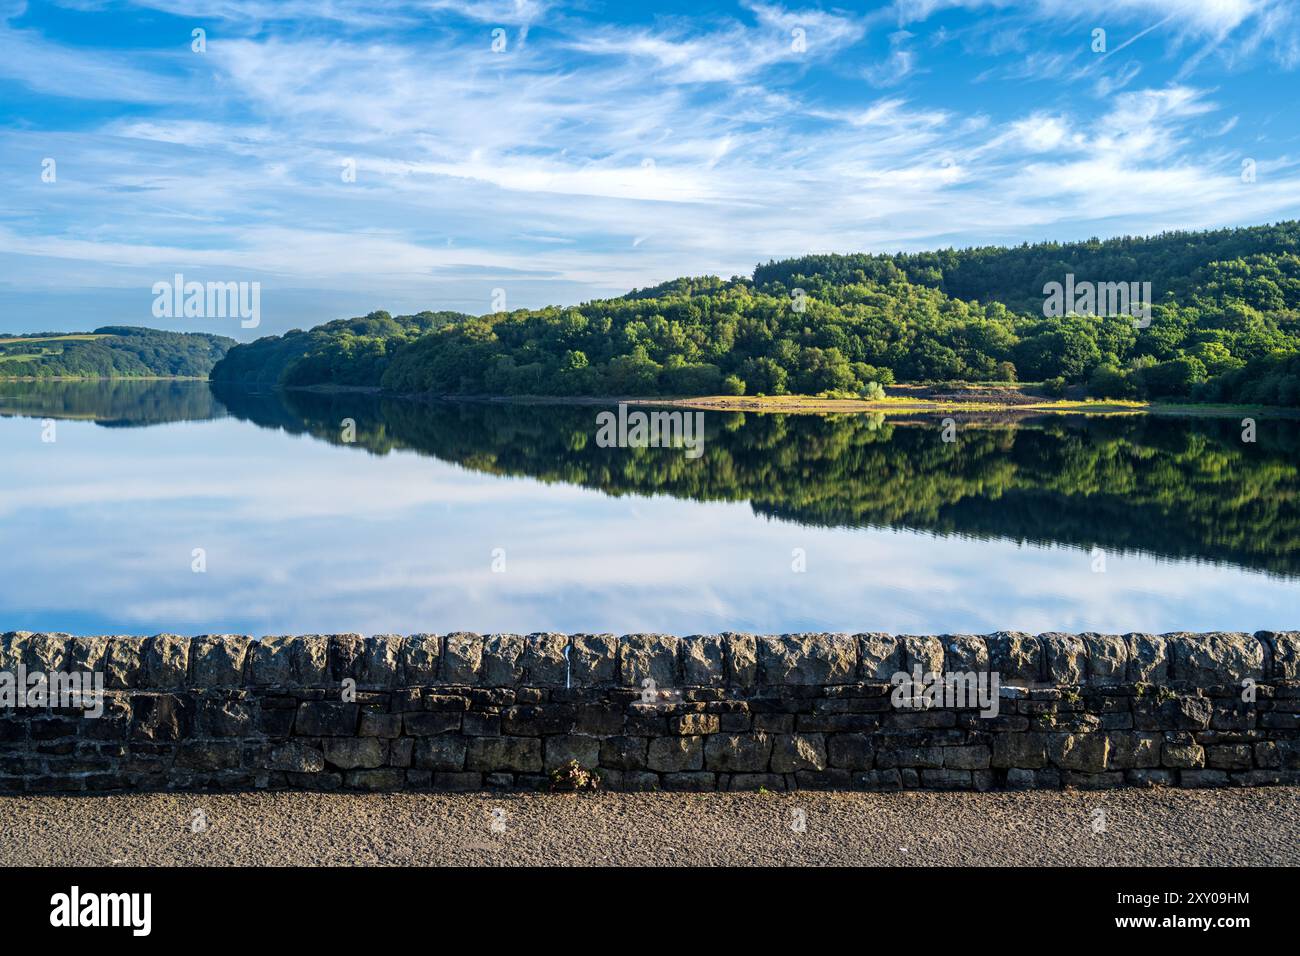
{"x": 574, "y": 776}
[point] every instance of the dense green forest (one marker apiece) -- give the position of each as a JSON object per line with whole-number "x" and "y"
{"x": 343, "y": 352}
{"x": 1180, "y": 487}
{"x": 1225, "y": 315}
{"x": 111, "y": 352}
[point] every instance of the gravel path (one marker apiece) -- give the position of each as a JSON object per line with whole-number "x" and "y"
{"x": 1141, "y": 827}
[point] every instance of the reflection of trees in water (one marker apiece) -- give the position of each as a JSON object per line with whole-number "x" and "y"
{"x": 113, "y": 402}
{"x": 1175, "y": 487}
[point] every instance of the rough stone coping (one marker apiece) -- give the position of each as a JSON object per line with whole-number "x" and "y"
{"x": 170, "y": 661}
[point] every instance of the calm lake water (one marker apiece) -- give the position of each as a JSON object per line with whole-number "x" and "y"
{"x": 399, "y": 530}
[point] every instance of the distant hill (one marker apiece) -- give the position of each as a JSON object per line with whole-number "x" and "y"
{"x": 1222, "y": 322}
{"x": 342, "y": 352}
{"x": 111, "y": 352}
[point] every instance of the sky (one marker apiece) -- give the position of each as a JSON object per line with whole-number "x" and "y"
{"x": 517, "y": 153}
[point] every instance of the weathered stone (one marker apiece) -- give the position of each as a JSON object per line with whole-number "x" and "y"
{"x": 517, "y": 754}
{"x": 675, "y": 754}
{"x": 643, "y": 657}
{"x": 944, "y": 779}
{"x": 159, "y": 717}
{"x": 47, "y": 653}
{"x": 1015, "y": 656}
{"x": 122, "y": 661}
{"x": 431, "y": 723}
{"x": 808, "y": 659}
{"x": 690, "y": 724}
{"x": 593, "y": 660}
{"x": 1130, "y": 751}
{"x": 1018, "y": 779}
{"x": 922, "y": 651}
{"x": 791, "y": 752}
{"x": 623, "y": 753}
{"x": 218, "y": 660}
{"x": 965, "y": 652}
{"x": 741, "y": 651}
{"x": 1267, "y": 755}
{"x": 703, "y": 660}
{"x": 598, "y": 720}
{"x": 13, "y": 645}
{"x": 1216, "y": 658}
{"x": 1284, "y": 653}
{"x": 374, "y": 724}
{"x": 387, "y": 778}
{"x": 84, "y": 654}
{"x": 1148, "y": 660}
{"x": 562, "y": 748}
{"x": 216, "y": 717}
{"x": 421, "y": 658}
{"x": 1107, "y": 658}
{"x": 346, "y": 657}
{"x": 881, "y": 656}
{"x": 441, "y": 753}
{"x": 1202, "y": 778}
{"x": 736, "y": 753}
{"x": 1092, "y": 781}
{"x": 689, "y": 782}
{"x": 271, "y": 660}
{"x": 458, "y": 781}
{"x": 1082, "y": 752}
{"x": 1229, "y": 757}
{"x": 352, "y": 753}
{"x": 323, "y": 718}
{"x": 165, "y": 663}
{"x": 462, "y": 656}
{"x": 208, "y": 755}
{"x": 1065, "y": 657}
{"x": 851, "y": 751}
{"x": 902, "y": 756}
{"x": 296, "y": 757}
{"x": 974, "y": 757}
{"x": 544, "y": 662}
{"x": 1150, "y": 778}
{"x": 633, "y": 780}
{"x": 1181, "y": 751}
{"x": 381, "y": 664}
{"x": 503, "y": 664}
{"x": 1027, "y": 751}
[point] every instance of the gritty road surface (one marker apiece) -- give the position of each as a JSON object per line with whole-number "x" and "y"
{"x": 1139, "y": 827}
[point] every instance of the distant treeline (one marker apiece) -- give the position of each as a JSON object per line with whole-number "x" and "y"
{"x": 1224, "y": 319}
{"x": 113, "y": 351}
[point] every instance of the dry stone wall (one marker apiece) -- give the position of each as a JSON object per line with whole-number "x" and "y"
{"x": 714, "y": 712}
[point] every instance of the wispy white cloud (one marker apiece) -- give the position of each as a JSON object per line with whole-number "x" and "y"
{"x": 610, "y": 155}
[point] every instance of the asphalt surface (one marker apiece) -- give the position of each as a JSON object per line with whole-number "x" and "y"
{"x": 1139, "y": 827}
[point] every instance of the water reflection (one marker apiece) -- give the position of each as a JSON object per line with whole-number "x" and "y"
{"x": 1176, "y": 487}
{"x": 304, "y": 532}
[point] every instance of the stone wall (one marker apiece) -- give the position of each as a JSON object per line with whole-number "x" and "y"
{"x": 733, "y": 711}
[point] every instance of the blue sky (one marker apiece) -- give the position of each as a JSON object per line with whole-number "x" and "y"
{"x": 607, "y": 146}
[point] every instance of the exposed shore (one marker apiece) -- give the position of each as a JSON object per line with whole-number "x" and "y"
{"x": 972, "y": 398}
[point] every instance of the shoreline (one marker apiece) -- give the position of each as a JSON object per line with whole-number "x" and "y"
{"x": 981, "y": 401}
